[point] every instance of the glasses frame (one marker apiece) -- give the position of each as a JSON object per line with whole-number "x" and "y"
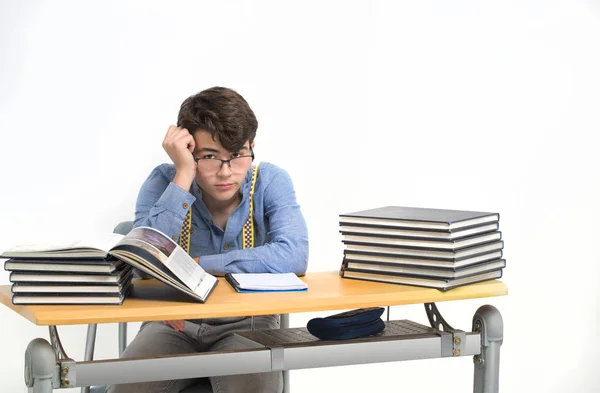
{"x": 226, "y": 161}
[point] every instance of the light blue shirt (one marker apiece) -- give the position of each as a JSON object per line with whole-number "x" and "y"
{"x": 281, "y": 235}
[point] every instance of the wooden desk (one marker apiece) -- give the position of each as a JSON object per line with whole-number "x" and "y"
{"x": 326, "y": 291}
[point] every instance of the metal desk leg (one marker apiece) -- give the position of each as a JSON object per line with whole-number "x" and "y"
{"x": 122, "y": 337}
{"x": 284, "y": 323}
{"x": 488, "y": 321}
{"x": 90, "y": 344}
{"x": 40, "y": 366}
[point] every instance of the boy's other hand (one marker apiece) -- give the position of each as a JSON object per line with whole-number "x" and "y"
{"x": 179, "y": 144}
{"x": 177, "y": 324}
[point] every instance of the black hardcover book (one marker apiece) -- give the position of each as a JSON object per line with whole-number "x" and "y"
{"x": 73, "y": 298}
{"x": 91, "y": 266}
{"x": 419, "y": 218}
{"x": 62, "y": 277}
{"x": 396, "y": 260}
{"x": 441, "y": 284}
{"x": 71, "y": 287}
{"x": 429, "y": 244}
{"x": 450, "y": 256}
{"x": 422, "y": 234}
{"x": 425, "y": 272}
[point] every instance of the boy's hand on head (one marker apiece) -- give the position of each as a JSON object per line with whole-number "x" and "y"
{"x": 179, "y": 145}
{"x": 177, "y": 324}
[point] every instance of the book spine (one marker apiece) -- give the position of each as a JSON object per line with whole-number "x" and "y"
{"x": 344, "y": 266}
{"x": 500, "y": 272}
{"x": 231, "y": 280}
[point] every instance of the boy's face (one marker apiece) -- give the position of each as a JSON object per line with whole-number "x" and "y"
{"x": 219, "y": 180}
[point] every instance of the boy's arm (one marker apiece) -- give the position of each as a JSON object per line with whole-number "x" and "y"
{"x": 163, "y": 205}
{"x": 159, "y": 205}
{"x": 288, "y": 248}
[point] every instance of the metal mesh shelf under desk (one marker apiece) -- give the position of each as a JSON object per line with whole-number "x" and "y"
{"x": 296, "y": 348}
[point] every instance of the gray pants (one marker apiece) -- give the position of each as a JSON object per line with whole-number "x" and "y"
{"x": 158, "y": 338}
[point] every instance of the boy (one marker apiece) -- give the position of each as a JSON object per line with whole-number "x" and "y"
{"x": 212, "y": 183}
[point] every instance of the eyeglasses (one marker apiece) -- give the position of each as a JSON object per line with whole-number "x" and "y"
{"x": 236, "y": 164}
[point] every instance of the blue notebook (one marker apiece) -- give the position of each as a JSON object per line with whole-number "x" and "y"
{"x": 265, "y": 282}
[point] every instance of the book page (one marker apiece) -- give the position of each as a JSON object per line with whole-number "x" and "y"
{"x": 95, "y": 241}
{"x": 160, "y": 242}
{"x": 99, "y": 241}
{"x": 185, "y": 268}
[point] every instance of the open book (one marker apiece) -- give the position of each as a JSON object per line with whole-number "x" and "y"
{"x": 144, "y": 248}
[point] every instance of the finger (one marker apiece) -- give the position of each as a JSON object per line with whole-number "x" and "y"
{"x": 187, "y": 139}
{"x": 175, "y": 325}
{"x": 172, "y": 130}
{"x": 176, "y": 139}
{"x": 179, "y": 325}
{"x": 192, "y": 144}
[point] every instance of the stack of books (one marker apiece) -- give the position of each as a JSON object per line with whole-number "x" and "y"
{"x": 69, "y": 280}
{"x": 433, "y": 248}
{"x": 98, "y": 269}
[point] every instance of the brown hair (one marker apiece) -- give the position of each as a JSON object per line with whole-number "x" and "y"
{"x": 222, "y": 112}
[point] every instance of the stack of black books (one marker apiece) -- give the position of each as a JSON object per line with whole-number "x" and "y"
{"x": 433, "y": 248}
{"x": 69, "y": 280}
{"x": 99, "y": 269}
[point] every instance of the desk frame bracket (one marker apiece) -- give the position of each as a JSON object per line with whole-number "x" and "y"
{"x": 56, "y": 344}
{"x": 435, "y": 318}
{"x": 64, "y": 362}
{"x": 453, "y": 340}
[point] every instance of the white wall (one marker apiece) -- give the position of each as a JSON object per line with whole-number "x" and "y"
{"x": 459, "y": 104}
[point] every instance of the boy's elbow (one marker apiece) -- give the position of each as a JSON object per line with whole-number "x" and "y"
{"x": 300, "y": 268}
{"x": 301, "y": 259}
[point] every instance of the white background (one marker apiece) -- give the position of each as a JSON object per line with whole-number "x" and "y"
{"x": 447, "y": 104}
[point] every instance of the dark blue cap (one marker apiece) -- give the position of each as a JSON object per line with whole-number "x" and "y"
{"x": 350, "y": 324}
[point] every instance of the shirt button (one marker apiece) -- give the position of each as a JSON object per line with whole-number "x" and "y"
{"x": 173, "y": 237}
{"x": 225, "y": 247}
{"x": 191, "y": 230}
{"x": 185, "y": 205}
{"x": 210, "y": 223}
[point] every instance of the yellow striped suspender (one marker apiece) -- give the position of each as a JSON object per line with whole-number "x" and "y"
{"x": 184, "y": 235}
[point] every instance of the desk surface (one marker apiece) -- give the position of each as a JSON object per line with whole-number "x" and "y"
{"x": 150, "y": 300}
